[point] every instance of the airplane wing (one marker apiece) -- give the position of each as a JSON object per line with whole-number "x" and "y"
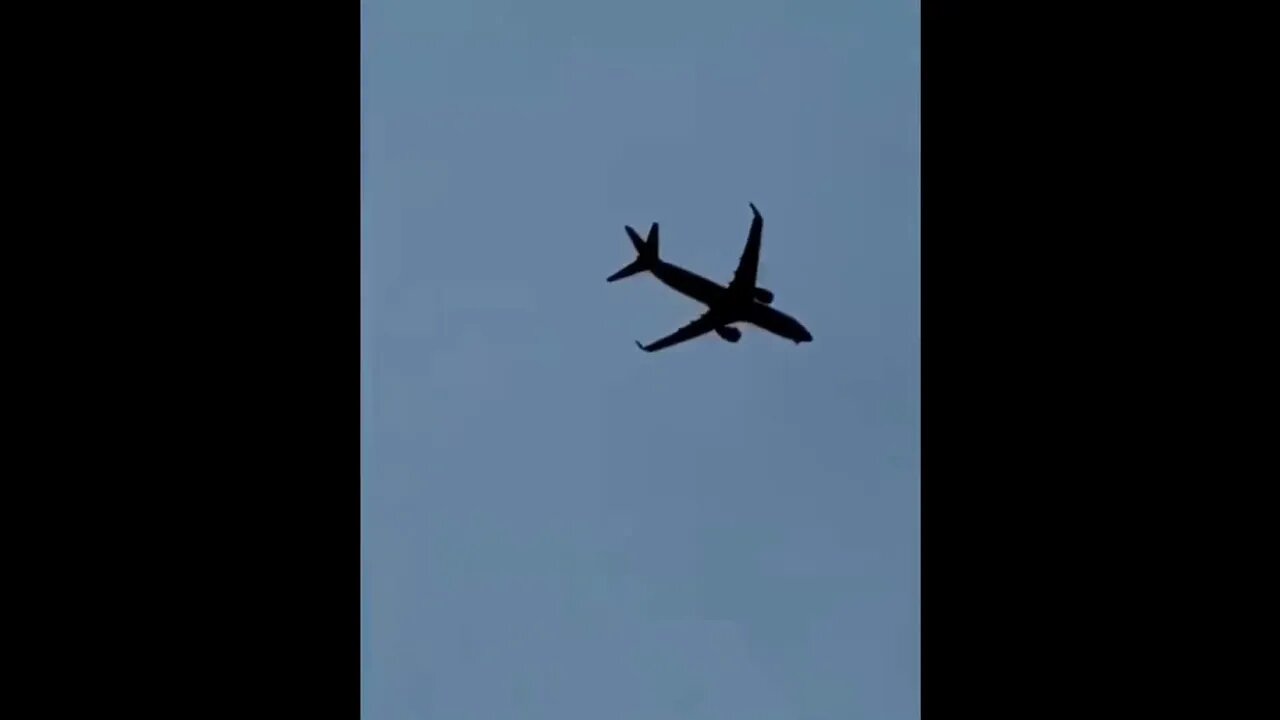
{"x": 744, "y": 278}
{"x": 701, "y": 326}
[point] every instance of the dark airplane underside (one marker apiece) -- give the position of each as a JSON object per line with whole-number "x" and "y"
{"x": 740, "y": 301}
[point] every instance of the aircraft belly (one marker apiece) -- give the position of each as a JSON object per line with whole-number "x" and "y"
{"x": 693, "y": 286}
{"x": 769, "y": 319}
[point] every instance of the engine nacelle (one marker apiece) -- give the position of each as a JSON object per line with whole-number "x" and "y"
{"x": 731, "y": 334}
{"x": 764, "y": 296}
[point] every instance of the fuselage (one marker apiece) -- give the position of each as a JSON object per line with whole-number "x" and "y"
{"x": 688, "y": 283}
{"x": 710, "y": 293}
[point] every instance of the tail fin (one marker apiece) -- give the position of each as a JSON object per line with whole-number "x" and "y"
{"x": 646, "y": 253}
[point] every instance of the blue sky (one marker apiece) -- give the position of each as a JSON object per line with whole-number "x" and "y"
{"x": 557, "y": 525}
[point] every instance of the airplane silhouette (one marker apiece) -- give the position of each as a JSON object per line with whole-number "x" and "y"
{"x": 740, "y": 301}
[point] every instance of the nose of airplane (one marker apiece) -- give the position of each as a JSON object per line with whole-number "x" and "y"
{"x": 803, "y": 335}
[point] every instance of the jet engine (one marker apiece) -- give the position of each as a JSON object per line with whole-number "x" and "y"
{"x": 732, "y": 334}
{"x": 764, "y": 296}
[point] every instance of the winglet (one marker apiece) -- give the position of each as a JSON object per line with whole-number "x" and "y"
{"x": 640, "y": 346}
{"x": 754, "y": 211}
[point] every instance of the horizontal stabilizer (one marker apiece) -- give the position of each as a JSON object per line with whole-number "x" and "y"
{"x": 638, "y": 266}
{"x": 646, "y": 253}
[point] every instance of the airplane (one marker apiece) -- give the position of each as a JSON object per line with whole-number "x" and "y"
{"x": 740, "y": 301}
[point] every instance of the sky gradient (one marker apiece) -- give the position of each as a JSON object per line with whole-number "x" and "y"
{"x": 557, "y": 525}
